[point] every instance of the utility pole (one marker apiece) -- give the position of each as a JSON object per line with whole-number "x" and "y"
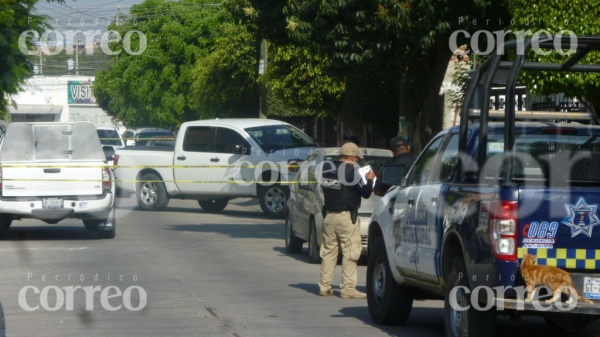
{"x": 117, "y": 17}
{"x": 41, "y": 62}
{"x": 262, "y": 68}
{"x": 77, "y": 56}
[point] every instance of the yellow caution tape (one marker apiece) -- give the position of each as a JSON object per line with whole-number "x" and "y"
{"x": 144, "y": 166}
{"x": 166, "y": 181}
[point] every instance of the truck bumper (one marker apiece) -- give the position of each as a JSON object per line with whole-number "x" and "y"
{"x": 78, "y": 208}
{"x": 530, "y": 308}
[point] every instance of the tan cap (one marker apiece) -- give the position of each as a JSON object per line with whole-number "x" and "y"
{"x": 351, "y": 149}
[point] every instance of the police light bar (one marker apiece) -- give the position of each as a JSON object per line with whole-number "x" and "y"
{"x": 536, "y": 115}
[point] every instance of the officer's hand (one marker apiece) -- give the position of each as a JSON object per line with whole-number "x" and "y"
{"x": 370, "y": 175}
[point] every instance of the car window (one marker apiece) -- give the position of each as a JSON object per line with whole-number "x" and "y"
{"x": 226, "y": 140}
{"x": 448, "y": 159}
{"x": 109, "y": 137}
{"x": 197, "y": 139}
{"x": 141, "y": 139}
{"x": 278, "y": 137}
{"x": 423, "y": 166}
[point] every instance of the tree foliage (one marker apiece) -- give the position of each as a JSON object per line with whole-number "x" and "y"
{"x": 412, "y": 33}
{"x": 156, "y": 87}
{"x": 224, "y": 82}
{"x": 14, "y": 66}
{"x": 554, "y": 16}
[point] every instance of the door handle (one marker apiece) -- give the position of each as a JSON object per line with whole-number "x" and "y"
{"x": 181, "y": 158}
{"x": 411, "y": 201}
{"x": 215, "y": 159}
{"x": 52, "y": 170}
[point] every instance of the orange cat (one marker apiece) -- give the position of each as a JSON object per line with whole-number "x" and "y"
{"x": 552, "y": 277}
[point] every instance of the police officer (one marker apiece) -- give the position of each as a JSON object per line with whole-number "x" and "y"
{"x": 402, "y": 155}
{"x": 343, "y": 189}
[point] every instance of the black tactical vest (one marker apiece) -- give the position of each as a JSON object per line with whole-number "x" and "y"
{"x": 339, "y": 196}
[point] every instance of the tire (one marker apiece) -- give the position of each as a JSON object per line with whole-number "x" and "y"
{"x": 151, "y": 196}
{"x": 389, "y": 302}
{"x": 273, "y": 199}
{"x": 5, "y": 222}
{"x": 314, "y": 250}
{"x": 471, "y": 322}
{"x": 293, "y": 245}
{"x": 213, "y": 205}
{"x": 99, "y": 226}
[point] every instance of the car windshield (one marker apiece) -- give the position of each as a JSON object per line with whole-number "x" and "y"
{"x": 141, "y": 139}
{"x": 277, "y": 137}
{"x": 538, "y": 155}
{"x": 109, "y": 137}
{"x": 376, "y": 162}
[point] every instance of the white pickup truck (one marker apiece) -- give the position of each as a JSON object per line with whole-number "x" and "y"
{"x": 215, "y": 161}
{"x": 55, "y": 171}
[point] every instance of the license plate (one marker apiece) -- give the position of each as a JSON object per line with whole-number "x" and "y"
{"x": 52, "y": 203}
{"x": 591, "y": 288}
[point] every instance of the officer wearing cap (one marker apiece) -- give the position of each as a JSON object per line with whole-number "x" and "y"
{"x": 402, "y": 156}
{"x": 343, "y": 189}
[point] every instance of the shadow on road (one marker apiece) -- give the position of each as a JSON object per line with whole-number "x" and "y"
{"x": 250, "y": 231}
{"x": 313, "y": 288}
{"x": 197, "y": 210}
{"x": 302, "y": 257}
{"x": 50, "y": 232}
{"x": 423, "y": 322}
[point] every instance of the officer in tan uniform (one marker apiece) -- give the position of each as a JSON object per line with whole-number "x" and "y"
{"x": 343, "y": 189}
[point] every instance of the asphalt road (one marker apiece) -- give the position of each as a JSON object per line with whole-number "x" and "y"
{"x": 204, "y": 275}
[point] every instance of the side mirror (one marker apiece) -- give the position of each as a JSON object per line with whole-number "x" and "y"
{"x": 109, "y": 152}
{"x": 392, "y": 174}
{"x": 241, "y": 150}
{"x": 130, "y": 142}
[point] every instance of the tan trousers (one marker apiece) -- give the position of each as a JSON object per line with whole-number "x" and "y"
{"x": 338, "y": 230}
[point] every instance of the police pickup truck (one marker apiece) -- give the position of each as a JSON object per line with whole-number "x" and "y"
{"x": 460, "y": 221}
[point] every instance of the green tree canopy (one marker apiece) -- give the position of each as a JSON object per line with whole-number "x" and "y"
{"x": 16, "y": 17}
{"x": 156, "y": 87}
{"x": 554, "y": 16}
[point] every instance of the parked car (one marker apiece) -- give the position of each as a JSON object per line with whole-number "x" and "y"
{"x": 41, "y": 177}
{"x": 141, "y": 136}
{"x": 227, "y": 151}
{"x": 304, "y": 217}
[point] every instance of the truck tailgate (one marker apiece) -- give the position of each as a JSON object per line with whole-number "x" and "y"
{"x": 52, "y": 181}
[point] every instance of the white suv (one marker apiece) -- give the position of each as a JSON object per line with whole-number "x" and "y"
{"x": 55, "y": 171}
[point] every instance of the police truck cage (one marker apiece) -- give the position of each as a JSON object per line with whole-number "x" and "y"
{"x": 487, "y": 75}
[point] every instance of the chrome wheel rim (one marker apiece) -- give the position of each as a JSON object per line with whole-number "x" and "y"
{"x": 275, "y": 199}
{"x": 379, "y": 280}
{"x": 457, "y": 316}
{"x": 148, "y": 193}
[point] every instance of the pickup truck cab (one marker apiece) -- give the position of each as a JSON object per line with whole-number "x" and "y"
{"x": 479, "y": 197}
{"x": 214, "y": 161}
{"x": 54, "y": 171}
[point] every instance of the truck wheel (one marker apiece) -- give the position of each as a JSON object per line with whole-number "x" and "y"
{"x": 293, "y": 245}
{"x": 5, "y": 222}
{"x": 470, "y": 322}
{"x": 213, "y": 205}
{"x": 151, "y": 196}
{"x": 314, "y": 250}
{"x": 389, "y": 302}
{"x": 273, "y": 200}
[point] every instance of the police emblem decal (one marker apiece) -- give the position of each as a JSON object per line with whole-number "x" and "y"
{"x": 581, "y": 217}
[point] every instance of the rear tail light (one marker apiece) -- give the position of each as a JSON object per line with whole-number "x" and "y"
{"x": 106, "y": 183}
{"x": 115, "y": 159}
{"x": 559, "y": 131}
{"x": 503, "y": 229}
{"x": 294, "y": 165}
